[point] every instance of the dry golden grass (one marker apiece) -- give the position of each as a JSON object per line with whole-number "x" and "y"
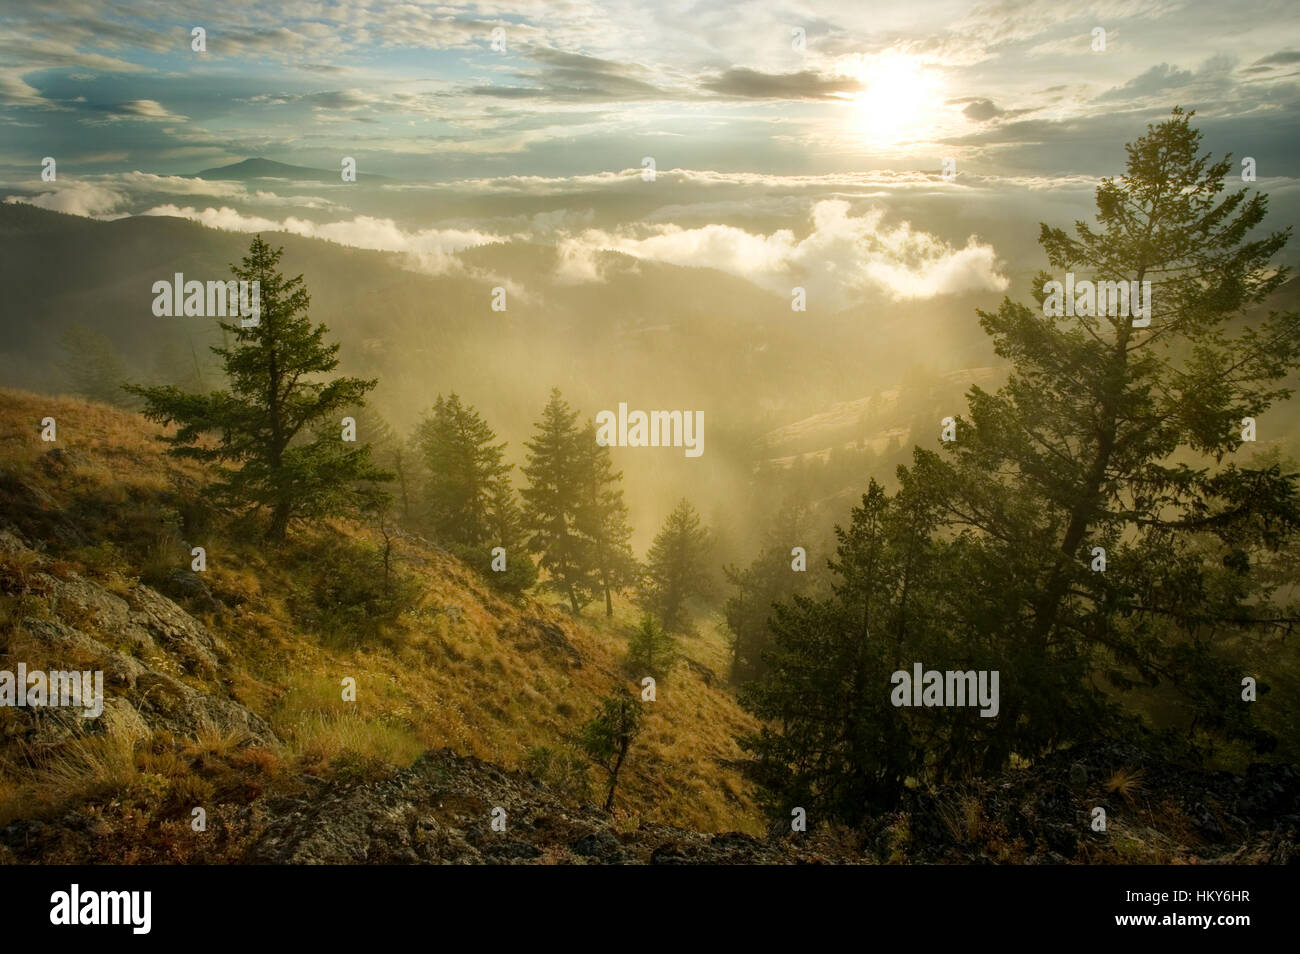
{"x": 479, "y": 683}
{"x": 1126, "y": 783}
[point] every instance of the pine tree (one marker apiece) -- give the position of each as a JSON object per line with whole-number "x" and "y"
{"x": 1109, "y": 440}
{"x": 387, "y": 449}
{"x": 768, "y": 580}
{"x": 465, "y": 473}
{"x": 278, "y": 420}
{"x": 1106, "y": 444}
{"x": 676, "y": 567}
{"x": 554, "y": 501}
{"x": 506, "y": 529}
{"x": 832, "y": 741}
{"x": 603, "y": 519}
{"x": 650, "y": 650}
{"x": 609, "y": 734}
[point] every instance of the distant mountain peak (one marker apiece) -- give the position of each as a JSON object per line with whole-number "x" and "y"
{"x": 258, "y": 167}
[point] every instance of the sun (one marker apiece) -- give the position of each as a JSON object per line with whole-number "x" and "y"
{"x": 898, "y": 103}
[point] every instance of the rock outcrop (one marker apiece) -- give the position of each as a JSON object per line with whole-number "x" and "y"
{"x": 440, "y": 811}
{"x": 161, "y": 666}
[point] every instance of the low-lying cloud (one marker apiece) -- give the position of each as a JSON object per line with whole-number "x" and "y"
{"x": 75, "y": 198}
{"x": 843, "y": 253}
{"x": 432, "y": 250}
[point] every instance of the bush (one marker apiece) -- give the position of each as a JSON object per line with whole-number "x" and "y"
{"x": 519, "y": 575}
{"x": 349, "y": 595}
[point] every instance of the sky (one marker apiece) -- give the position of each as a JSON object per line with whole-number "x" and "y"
{"x": 780, "y": 133}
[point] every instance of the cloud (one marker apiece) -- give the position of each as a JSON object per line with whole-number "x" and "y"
{"x": 120, "y": 192}
{"x": 431, "y": 250}
{"x": 174, "y": 185}
{"x": 1159, "y": 78}
{"x": 74, "y": 198}
{"x": 1282, "y": 58}
{"x": 14, "y": 91}
{"x": 576, "y": 77}
{"x": 843, "y": 254}
{"x": 140, "y": 110}
{"x": 982, "y": 110}
{"x": 751, "y": 84}
{"x": 330, "y": 99}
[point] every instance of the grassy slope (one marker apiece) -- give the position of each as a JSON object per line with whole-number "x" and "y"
{"x": 481, "y": 684}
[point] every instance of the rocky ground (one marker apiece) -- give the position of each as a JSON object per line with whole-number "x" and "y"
{"x": 440, "y": 811}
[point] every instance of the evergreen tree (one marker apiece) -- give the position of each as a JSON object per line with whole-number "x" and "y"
{"x": 1109, "y": 436}
{"x": 832, "y": 739}
{"x": 768, "y": 580}
{"x": 279, "y": 420}
{"x": 387, "y": 449}
{"x": 465, "y": 473}
{"x": 651, "y": 651}
{"x": 603, "y": 519}
{"x": 676, "y": 567}
{"x": 506, "y": 529}
{"x": 554, "y": 502}
{"x": 608, "y": 736}
{"x": 1083, "y": 531}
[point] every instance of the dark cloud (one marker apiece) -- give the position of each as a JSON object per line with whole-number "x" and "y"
{"x": 340, "y": 99}
{"x": 1282, "y": 58}
{"x": 576, "y": 77}
{"x": 1093, "y": 145}
{"x": 751, "y": 84}
{"x": 581, "y": 62}
{"x": 982, "y": 110}
{"x": 1155, "y": 80}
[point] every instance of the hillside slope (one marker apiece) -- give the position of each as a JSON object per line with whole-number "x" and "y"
{"x": 222, "y": 693}
{"x": 225, "y": 685}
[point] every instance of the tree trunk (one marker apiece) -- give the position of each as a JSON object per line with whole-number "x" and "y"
{"x": 613, "y": 776}
{"x": 279, "y": 522}
{"x": 1082, "y": 517}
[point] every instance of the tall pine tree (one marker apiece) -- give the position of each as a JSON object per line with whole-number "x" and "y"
{"x": 1083, "y": 535}
{"x": 465, "y": 473}
{"x": 554, "y": 502}
{"x": 1108, "y": 441}
{"x": 279, "y": 419}
{"x": 831, "y": 739}
{"x": 768, "y": 580}
{"x": 677, "y": 567}
{"x": 603, "y": 519}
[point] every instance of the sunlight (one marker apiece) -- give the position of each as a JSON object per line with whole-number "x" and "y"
{"x": 898, "y": 102}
